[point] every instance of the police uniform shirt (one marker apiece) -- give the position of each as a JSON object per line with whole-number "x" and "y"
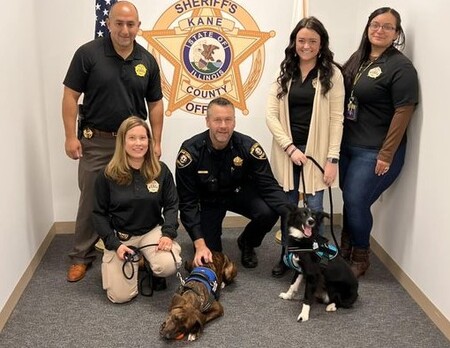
{"x": 301, "y": 99}
{"x": 208, "y": 176}
{"x": 114, "y": 88}
{"x": 388, "y": 83}
{"x": 136, "y": 208}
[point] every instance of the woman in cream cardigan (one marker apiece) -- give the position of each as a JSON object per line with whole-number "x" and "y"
{"x": 305, "y": 117}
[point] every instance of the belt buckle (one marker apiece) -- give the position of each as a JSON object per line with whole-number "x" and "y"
{"x": 88, "y": 133}
{"x": 123, "y": 236}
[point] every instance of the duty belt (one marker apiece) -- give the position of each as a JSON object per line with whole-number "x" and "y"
{"x": 123, "y": 236}
{"x": 88, "y": 133}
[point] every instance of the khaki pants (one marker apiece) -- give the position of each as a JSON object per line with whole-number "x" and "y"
{"x": 97, "y": 152}
{"x": 120, "y": 289}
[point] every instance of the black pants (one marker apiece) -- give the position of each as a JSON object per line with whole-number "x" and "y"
{"x": 247, "y": 203}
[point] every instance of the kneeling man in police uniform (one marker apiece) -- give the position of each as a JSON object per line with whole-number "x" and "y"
{"x": 221, "y": 170}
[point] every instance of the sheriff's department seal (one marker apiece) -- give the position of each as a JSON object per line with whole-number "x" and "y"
{"x": 206, "y": 42}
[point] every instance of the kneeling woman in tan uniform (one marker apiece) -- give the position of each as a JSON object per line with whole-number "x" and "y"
{"x": 135, "y": 204}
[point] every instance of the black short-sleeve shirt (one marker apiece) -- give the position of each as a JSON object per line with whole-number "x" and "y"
{"x": 114, "y": 88}
{"x": 388, "y": 83}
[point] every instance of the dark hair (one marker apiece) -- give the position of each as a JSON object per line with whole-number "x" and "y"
{"x": 361, "y": 55}
{"x": 290, "y": 65}
{"x": 221, "y": 101}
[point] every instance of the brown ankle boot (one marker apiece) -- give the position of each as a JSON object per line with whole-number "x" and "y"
{"x": 346, "y": 246}
{"x": 360, "y": 261}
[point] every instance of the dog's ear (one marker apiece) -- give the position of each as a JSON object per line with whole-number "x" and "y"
{"x": 320, "y": 215}
{"x": 177, "y": 301}
{"x": 197, "y": 326}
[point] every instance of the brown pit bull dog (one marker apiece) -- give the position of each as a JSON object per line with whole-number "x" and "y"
{"x": 196, "y": 301}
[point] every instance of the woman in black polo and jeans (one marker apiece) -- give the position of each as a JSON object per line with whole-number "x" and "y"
{"x": 382, "y": 92}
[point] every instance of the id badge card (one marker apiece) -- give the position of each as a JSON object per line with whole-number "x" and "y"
{"x": 351, "y": 113}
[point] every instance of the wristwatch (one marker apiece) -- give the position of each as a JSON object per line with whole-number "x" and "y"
{"x": 333, "y": 160}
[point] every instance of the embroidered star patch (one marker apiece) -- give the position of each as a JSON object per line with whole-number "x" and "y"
{"x": 184, "y": 159}
{"x": 258, "y": 152}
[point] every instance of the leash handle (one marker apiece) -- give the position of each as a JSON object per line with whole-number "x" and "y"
{"x": 134, "y": 258}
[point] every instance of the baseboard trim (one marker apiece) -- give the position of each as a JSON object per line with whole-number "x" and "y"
{"x": 25, "y": 279}
{"x": 68, "y": 227}
{"x": 64, "y": 227}
{"x": 408, "y": 284}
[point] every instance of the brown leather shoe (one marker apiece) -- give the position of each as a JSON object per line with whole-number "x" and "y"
{"x": 76, "y": 272}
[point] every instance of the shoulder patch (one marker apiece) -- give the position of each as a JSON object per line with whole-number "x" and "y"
{"x": 257, "y": 151}
{"x": 184, "y": 159}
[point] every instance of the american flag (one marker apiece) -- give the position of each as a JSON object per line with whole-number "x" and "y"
{"x": 101, "y": 13}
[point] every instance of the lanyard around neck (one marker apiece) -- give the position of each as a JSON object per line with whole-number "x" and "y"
{"x": 361, "y": 70}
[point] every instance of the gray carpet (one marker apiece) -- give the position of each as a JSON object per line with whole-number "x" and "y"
{"x": 55, "y": 313}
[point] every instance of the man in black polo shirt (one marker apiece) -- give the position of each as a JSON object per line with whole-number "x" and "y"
{"x": 118, "y": 78}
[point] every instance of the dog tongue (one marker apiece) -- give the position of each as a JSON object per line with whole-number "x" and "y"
{"x": 307, "y": 231}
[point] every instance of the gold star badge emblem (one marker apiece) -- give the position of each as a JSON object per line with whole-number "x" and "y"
{"x": 206, "y": 46}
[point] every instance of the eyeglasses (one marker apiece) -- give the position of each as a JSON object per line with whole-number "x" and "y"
{"x": 386, "y": 27}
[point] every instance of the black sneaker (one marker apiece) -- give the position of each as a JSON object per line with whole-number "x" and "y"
{"x": 159, "y": 283}
{"x": 248, "y": 255}
{"x": 279, "y": 269}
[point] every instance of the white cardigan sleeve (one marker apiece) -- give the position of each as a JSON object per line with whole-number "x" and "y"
{"x": 276, "y": 119}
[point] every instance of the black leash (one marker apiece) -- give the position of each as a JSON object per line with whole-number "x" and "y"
{"x": 134, "y": 258}
{"x": 305, "y": 200}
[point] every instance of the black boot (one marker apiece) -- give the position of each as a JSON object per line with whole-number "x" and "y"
{"x": 248, "y": 255}
{"x": 280, "y": 268}
{"x": 346, "y": 245}
{"x": 159, "y": 283}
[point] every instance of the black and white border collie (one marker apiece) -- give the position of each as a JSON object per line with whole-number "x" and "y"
{"x": 328, "y": 277}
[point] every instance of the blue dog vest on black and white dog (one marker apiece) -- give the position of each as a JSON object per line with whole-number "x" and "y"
{"x": 326, "y": 252}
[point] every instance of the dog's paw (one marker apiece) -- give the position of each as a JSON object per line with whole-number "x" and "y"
{"x": 289, "y": 295}
{"x": 331, "y": 307}
{"x": 192, "y": 337}
{"x": 303, "y": 317}
{"x": 304, "y": 314}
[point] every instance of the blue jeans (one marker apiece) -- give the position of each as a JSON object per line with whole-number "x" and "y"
{"x": 361, "y": 187}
